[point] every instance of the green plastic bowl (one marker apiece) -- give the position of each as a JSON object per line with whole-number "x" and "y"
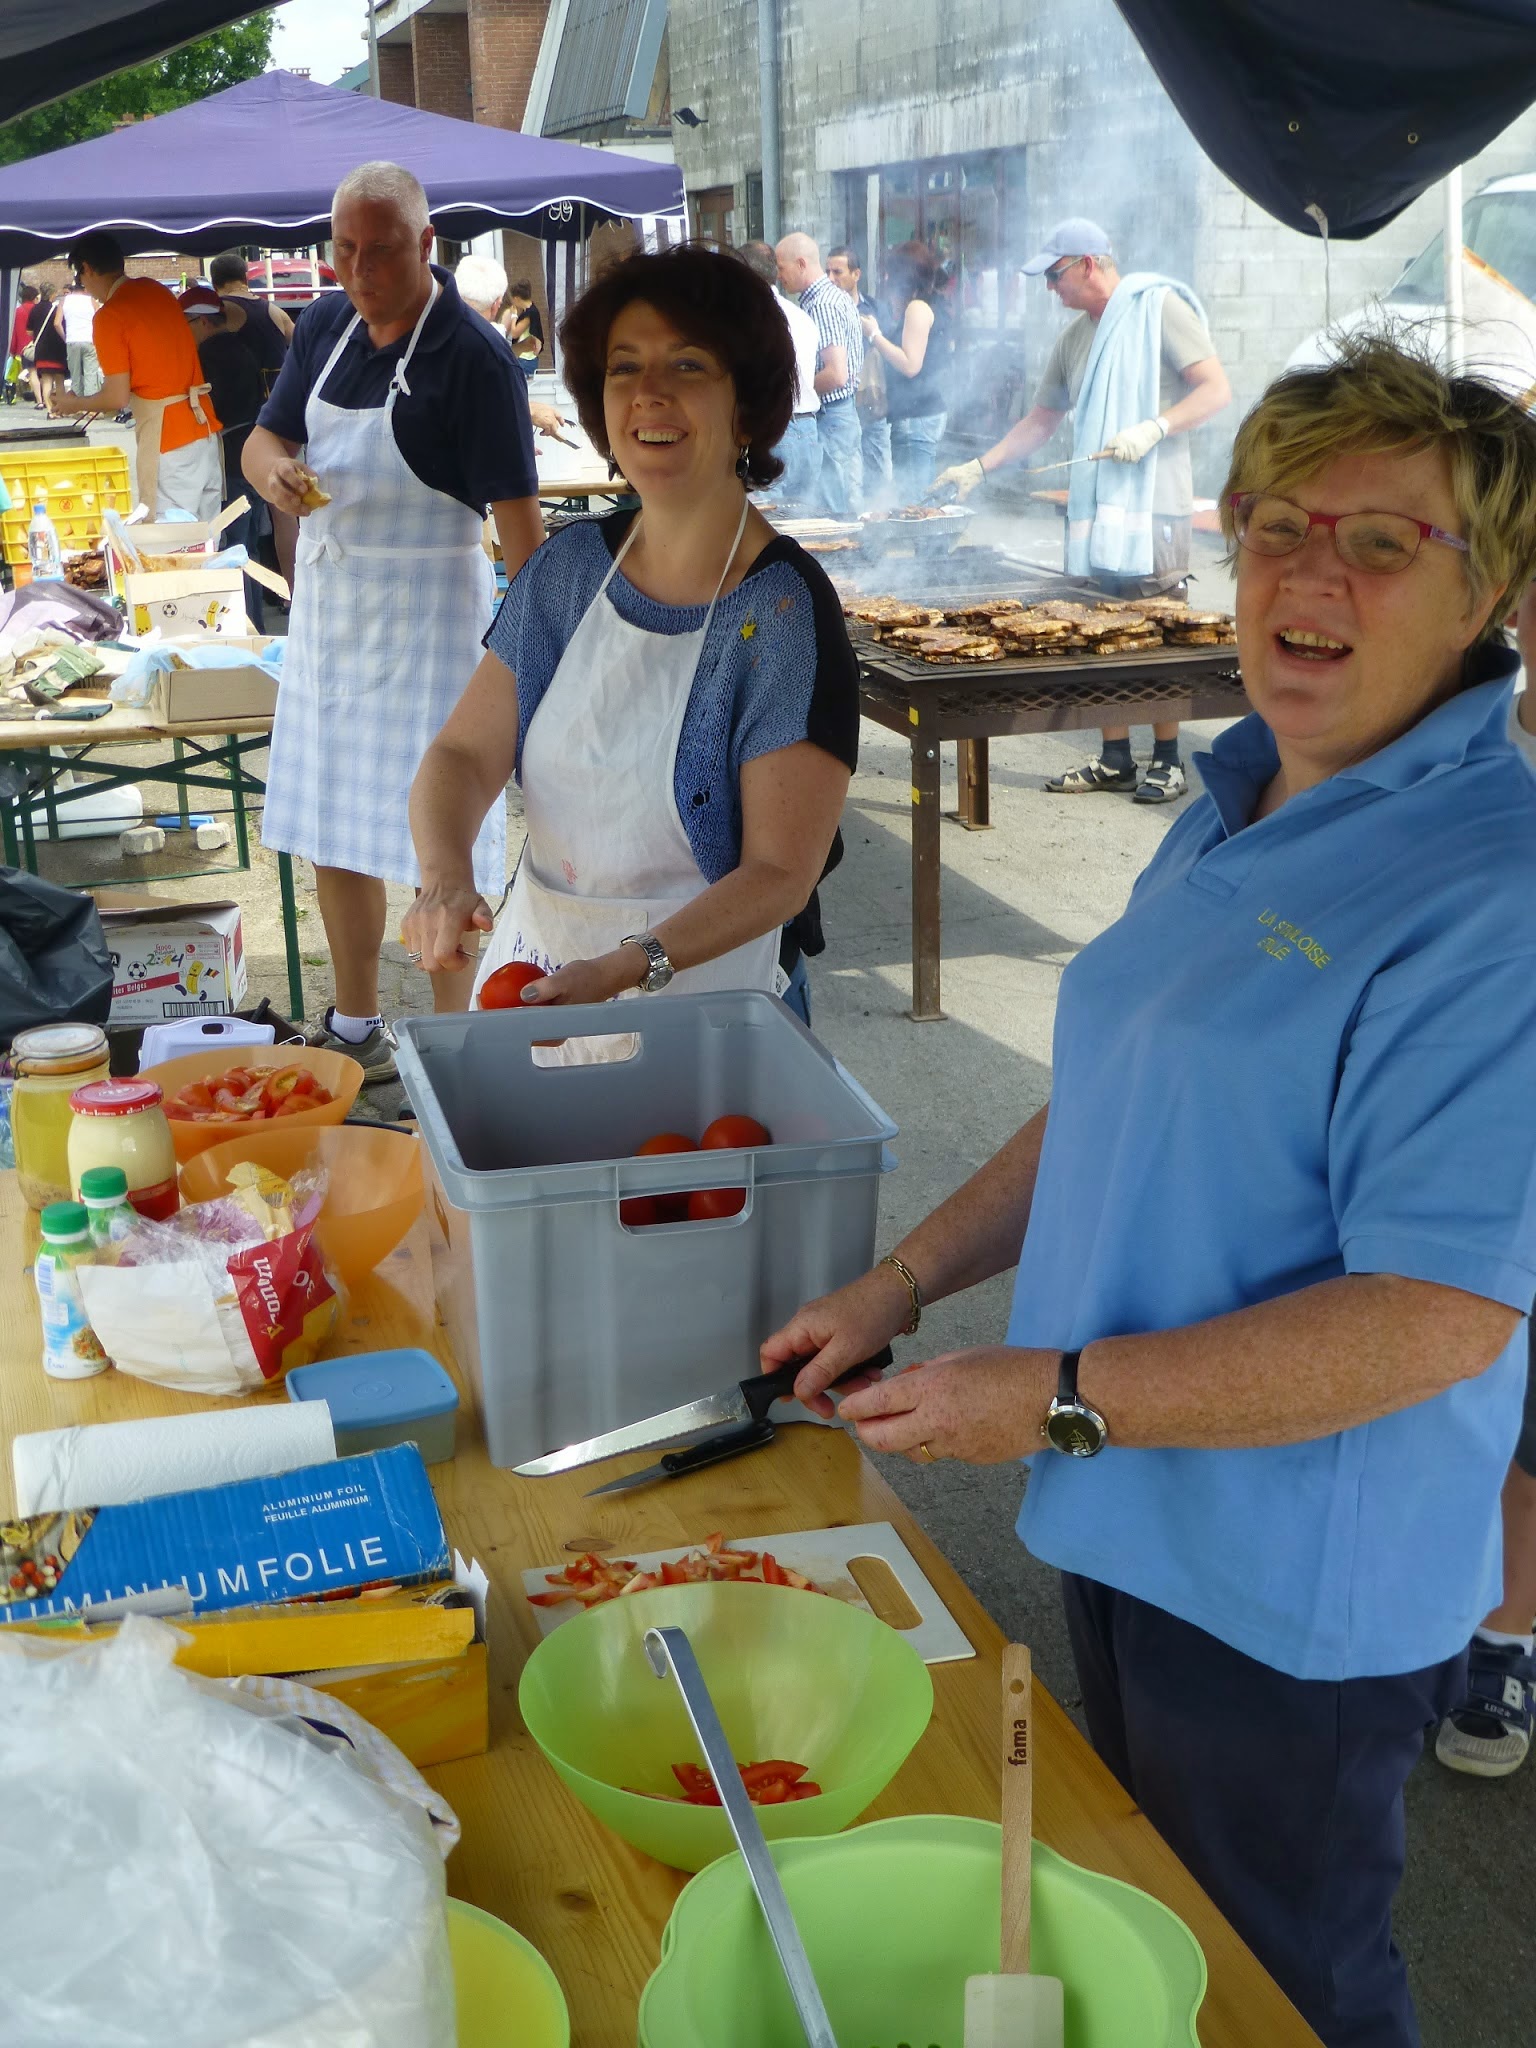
{"x": 506, "y": 1995}
{"x": 795, "y": 1675}
{"x": 895, "y": 1916}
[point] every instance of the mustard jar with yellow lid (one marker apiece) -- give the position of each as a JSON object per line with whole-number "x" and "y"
{"x": 51, "y": 1061}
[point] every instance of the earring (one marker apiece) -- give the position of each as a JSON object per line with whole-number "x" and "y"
{"x": 741, "y": 465}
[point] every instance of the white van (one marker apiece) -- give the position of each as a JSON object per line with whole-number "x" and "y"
{"x": 1498, "y": 286}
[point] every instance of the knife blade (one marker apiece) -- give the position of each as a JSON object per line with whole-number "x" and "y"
{"x": 721, "y": 1443}
{"x": 747, "y": 1402}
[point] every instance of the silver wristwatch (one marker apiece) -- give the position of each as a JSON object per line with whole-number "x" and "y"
{"x": 661, "y": 969}
{"x": 1070, "y": 1425}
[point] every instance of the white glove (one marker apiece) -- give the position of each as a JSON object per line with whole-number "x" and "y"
{"x": 1131, "y": 444}
{"x": 962, "y": 479}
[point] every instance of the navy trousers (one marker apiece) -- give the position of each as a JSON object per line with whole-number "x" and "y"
{"x": 1283, "y": 1796}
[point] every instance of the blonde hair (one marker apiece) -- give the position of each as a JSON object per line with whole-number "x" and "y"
{"x": 1385, "y": 395}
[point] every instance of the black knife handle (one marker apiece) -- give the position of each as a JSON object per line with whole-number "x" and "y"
{"x": 768, "y": 1387}
{"x": 728, "y": 1444}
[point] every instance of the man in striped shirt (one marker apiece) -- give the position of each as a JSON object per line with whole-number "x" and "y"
{"x": 839, "y": 359}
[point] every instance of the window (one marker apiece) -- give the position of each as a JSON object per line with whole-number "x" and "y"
{"x": 754, "y": 206}
{"x": 714, "y": 215}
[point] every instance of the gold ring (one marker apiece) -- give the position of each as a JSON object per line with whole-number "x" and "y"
{"x": 928, "y": 1454}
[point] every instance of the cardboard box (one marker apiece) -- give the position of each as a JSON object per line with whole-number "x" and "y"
{"x": 209, "y": 602}
{"x": 326, "y": 1528}
{"x": 172, "y": 959}
{"x": 195, "y": 696}
{"x": 412, "y": 1661}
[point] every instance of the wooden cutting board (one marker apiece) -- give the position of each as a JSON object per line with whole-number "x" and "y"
{"x": 824, "y": 1556}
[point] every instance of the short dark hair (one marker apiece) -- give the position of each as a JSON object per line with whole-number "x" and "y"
{"x": 760, "y": 258}
{"x": 522, "y": 289}
{"x": 911, "y": 268}
{"x": 99, "y": 251}
{"x": 230, "y": 268}
{"x": 717, "y": 302}
{"x": 843, "y": 249}
{"x": 28, "y": 294}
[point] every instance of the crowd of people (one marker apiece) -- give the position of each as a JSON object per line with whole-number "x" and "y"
{"x": 1270, "y": 1386}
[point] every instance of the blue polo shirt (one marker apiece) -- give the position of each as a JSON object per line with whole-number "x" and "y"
{"x": 1307, "y": 1048}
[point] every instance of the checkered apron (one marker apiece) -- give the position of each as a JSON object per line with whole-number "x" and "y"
{"x": 392, "y": 595}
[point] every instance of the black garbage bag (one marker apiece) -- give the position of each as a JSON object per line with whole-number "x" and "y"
{"x": 55, "y": 964}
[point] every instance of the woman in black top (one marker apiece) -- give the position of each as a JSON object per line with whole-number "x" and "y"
{"x": 914, "y": 347}
{"x": 45, "y": 328}
{"x": 522, "y": 326}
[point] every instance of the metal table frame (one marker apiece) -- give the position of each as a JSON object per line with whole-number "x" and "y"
{"x": 928, "y": 703}
{"x": 216, "y": 762}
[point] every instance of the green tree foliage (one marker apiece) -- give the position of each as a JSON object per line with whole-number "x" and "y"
{"x": 208, "y": 65}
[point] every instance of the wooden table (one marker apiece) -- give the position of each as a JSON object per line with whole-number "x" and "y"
{"x": 203, "y": 756}
{"x": 928, "y": 703}
{"x": 530, "y": 1853}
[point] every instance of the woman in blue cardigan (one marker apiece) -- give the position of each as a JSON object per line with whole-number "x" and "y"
{"x": 674, "y": 688}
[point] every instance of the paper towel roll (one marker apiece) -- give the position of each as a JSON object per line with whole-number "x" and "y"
{"x": 103, "y": 1464}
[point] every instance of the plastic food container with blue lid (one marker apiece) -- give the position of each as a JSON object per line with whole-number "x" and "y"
{"x": 381, "y": 1398}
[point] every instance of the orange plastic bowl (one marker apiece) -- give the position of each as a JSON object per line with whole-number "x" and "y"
{"x": 375, "y": 1188}
{"x": 332, "y": 1069}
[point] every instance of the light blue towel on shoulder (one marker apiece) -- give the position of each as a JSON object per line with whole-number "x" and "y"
{"x": 1109, "y": 504}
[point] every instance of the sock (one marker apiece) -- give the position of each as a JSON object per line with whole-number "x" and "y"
{"x": 1499, "y": 1640}
{"x": 353, "y": 1029}
{"x": 1165, "y": 754}
{"x": 1117, "y": 754}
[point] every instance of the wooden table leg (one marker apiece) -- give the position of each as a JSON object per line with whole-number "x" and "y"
{"x": 926, "y": 906}
{"x": 975, "y": 812}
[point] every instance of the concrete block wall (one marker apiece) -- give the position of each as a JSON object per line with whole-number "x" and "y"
{"x": 440, "y": 52}
{"x": 504, "y": 38}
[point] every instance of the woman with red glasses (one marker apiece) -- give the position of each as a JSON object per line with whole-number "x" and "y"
{"x": 1275, "y": 1234}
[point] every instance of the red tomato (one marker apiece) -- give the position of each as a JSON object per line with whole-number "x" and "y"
{"x": 304, "y": 1083}
{"x": 503, "y": 990}
{"x": 667, "y": 1141}
{"x": 293, "y": 1105}
{"x": 733, "y": 1133}
{"x": 710, "y": 1203}
{"x": 640, "y": 1211}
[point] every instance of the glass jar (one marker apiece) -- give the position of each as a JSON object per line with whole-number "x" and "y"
{"x": 51, "y": 1062}
{"x": 123, "y": 1123}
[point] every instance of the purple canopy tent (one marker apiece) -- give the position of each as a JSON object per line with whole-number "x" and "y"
{"x": 258, "y": 163}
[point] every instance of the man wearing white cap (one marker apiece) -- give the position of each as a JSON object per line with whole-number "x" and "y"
{"x": 1137, "y": 369}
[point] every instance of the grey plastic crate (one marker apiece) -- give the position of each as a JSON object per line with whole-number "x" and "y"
{"x": 575, "y": 1323}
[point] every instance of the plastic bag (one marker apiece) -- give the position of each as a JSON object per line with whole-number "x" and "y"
{"x": 221, "y": 1298}
{"x": 55, "y": 963}
{"x": 198, "y": 1871}
{"x": 136, "y": 685}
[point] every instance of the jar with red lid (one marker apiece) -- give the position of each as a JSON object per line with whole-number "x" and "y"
{"x": 123, "y": 1123}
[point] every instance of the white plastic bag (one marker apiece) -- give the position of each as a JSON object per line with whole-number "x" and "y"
{"x": 197, "y": 1872}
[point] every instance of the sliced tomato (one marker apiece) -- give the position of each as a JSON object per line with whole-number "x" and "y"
{"x": 196, "y": 1095}
{"x": 806, "y": 1789}
{"x": 698, "y": 1786}
{"x": 733, "y": 1134}
{"x": 773, "y": 1571}
{"x": 294, "y": 1106}
{"x": 764, "y": 1773}
{"x": 304, "y": 1083}
{"x": 673, "y": 1574}
{"x": 278, "y": 1087}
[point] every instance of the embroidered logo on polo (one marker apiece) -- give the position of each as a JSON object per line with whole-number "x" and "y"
{"x": 1282, "y": 938}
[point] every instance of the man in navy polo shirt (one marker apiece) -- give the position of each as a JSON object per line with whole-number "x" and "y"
{"x": 399, "y": 420}
{"x": 1276, "y": 1234}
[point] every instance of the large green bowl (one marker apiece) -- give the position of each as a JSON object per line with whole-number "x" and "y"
{"x": 796, "y": 1675}
{"x": 895, "y": 1916}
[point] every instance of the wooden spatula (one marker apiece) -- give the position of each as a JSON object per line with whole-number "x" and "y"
{"x": 1015, "y": 2010}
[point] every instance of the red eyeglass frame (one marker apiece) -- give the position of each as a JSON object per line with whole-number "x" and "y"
{"x": 1331, "y": 521}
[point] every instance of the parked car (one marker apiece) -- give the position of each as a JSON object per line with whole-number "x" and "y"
{"x": 290, "y": 280}
{"x": 1498, "y": 287}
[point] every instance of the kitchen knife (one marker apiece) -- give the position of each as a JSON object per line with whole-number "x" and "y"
{"x": 720, "y": 1443}
{"x": 747, "y": 1402}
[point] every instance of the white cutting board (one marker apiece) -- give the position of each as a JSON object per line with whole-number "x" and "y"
{"x": 823, "y": 1555}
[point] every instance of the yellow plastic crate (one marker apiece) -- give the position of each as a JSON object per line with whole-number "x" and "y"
{"x": 76, "y": 484}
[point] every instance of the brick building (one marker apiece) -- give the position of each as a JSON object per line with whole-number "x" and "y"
{"x": 973, "y": 125}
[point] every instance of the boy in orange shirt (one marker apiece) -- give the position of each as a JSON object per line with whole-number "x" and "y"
{"x": 149, "y": 363}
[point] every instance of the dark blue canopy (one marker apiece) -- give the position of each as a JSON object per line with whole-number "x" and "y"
{"x": 51, "y": 47}
{"x": 1352, "y": 106}
{"x": 259, "y": 162}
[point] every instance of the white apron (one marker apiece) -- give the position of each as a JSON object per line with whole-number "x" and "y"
{"x": 392, "y": 595}
{"x": 606, "y": 853}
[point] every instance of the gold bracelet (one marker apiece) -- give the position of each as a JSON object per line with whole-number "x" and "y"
{"x": 913, "y": 1289}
